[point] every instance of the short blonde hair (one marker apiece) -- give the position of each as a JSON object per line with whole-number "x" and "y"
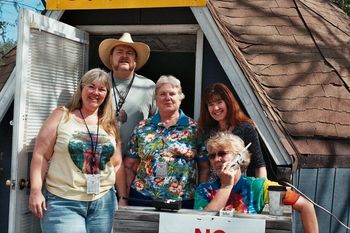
{"x": 106, "y": 113}
{"x": 173, "y": 81}
{"x": 228, "y": 141}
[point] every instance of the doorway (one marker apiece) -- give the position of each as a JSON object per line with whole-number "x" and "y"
{"x": 5, "y": 167}
{"x": 170, "y": 55}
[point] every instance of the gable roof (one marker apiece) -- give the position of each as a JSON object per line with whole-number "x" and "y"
{"x": 296, "y": 56}
{"x": 7, "y": 63}
{"x": 7, "y": 81}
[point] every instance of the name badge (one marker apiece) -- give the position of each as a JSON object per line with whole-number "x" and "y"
{"x": 161, "y": 169}
{"x": 93, "y": 183}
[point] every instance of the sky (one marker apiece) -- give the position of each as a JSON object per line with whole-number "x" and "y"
{"x": 10, "y": 14}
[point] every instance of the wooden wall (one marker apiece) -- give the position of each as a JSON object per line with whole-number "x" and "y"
{"x": 330, "y": 188}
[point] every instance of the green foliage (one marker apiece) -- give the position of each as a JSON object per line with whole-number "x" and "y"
{"x": 6, "y": 46}
{"x": 343, "y": 4}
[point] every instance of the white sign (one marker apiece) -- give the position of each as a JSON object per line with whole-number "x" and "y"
{"x": 189, "y": 223}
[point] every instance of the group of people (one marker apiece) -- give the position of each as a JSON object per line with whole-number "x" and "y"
{"x": 122, "y": 133}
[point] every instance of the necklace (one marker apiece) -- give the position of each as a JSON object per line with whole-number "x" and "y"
{"x": 121, "y": 115}
{"x": 94, "y": 154}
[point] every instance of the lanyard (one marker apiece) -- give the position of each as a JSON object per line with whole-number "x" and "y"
{"x": 93, "y": 160}
{"x": 119, "y": 104}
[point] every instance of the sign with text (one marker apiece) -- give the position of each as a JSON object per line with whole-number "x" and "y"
{"x": 118, "y": 4}
{"x": 187, "y": 223}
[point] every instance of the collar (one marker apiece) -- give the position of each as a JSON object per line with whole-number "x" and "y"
{"x": 183, "y": 119}
{"x": 120, "y": 81}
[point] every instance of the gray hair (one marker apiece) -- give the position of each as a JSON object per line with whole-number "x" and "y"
{"x": 169, "y": 79}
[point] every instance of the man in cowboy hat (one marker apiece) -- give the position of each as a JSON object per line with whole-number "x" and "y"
{"x": 133, "y": 93}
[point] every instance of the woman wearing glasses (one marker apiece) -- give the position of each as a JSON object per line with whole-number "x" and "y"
{"x": 232, "y": 191}
{"x": 220, "y": 111}
{"x": 78, "y": 157}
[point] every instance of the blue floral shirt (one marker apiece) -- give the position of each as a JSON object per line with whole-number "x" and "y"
{"x": 168, "y": 158}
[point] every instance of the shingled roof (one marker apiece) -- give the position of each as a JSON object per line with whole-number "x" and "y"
{"x": 296, "y": 56}
{"x": 7, "y": 63}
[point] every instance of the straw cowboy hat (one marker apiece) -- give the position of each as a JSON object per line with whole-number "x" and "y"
{"x": 142, "y": 50}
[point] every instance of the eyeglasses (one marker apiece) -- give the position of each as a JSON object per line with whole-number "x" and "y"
{"x": 221, "y": 154}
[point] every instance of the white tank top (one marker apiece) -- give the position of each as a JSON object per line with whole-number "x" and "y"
{"x": 66, "y": 176}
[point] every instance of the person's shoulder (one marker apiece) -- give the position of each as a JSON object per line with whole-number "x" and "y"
{"x": 188, "y": 121}
{"x": 246, "y": 125}
{"x": 59, "y": 111}
{"x": 55, "y": 117}
{"x": 244, "y": 129}
{"x": 255, "y": 181}
{"x": 145, "y": 123}
{"x": 145, "y": 79}
{"x": 192, "y": 122}
{"x": 210, "y": 185}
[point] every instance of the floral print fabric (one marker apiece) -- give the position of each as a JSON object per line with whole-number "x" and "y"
{"x": 168, "y": 158}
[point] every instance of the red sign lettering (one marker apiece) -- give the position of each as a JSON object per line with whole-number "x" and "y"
{"x": 197, "y": 230}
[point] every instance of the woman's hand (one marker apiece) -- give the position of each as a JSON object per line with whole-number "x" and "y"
{"x": 37, "y": 203}
{"x": 227, "y": 176}
{"x": 122, "y": 202}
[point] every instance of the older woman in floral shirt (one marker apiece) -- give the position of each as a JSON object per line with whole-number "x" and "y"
{"x": 163, "y": 155}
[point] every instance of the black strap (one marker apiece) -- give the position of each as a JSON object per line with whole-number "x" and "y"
{"x": 92, "y": 161}
{"x": 119, "y": 104}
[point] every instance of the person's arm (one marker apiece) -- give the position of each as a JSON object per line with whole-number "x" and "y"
{"x": 42, "y": 153}
{"x": 131, "y": 166}
{"x": 249, "y": 135}
{"x": 220, "y": 199}
{"x": 228, "y": 178}
{"x": 307, "y": 214}
{"x": 260, "y": 172}
{"x": 120, "y": 180}
{"x": 204, "y": 171}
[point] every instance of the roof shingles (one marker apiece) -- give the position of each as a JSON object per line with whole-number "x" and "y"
{"x": 296, "y": 56}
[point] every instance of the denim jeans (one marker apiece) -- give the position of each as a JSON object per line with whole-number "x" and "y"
{"x": 64, "y": 215}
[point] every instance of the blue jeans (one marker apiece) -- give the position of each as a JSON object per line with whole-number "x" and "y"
{"x": 64, "y": 215}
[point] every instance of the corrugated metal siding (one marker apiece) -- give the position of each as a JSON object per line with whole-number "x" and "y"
{"x": 330, "y": 188}
{"x": 52, "y": 78}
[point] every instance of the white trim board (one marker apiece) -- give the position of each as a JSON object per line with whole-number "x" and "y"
{"x": 7, "y": 94}
{"x": 140, "y": 29}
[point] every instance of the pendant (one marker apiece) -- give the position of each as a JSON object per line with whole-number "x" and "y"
{"x": 122, "y": 117}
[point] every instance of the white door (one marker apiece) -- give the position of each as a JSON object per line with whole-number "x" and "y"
{"x": 51, "y": 57}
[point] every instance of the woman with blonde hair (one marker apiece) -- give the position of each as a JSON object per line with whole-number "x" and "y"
{"x": 77, "y": 155}
{"x": 233, "y": 191}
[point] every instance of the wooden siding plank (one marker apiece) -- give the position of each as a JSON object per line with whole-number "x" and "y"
{"x": 341, "y": 204}
{"x": 324, "y": 192}
{"x": 307, "y": 184}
